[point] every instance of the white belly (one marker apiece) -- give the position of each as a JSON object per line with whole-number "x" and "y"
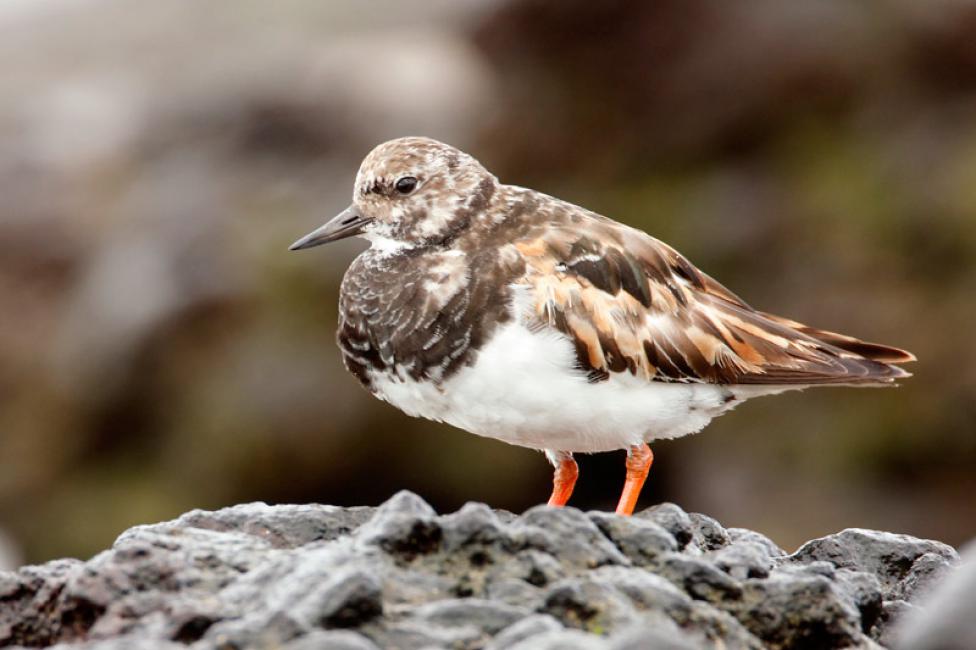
{"x": 523, "y": 389}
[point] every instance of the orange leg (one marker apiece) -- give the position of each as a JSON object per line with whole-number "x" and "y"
{"x": 639, "y": 459}
{"x": 563, "y": 479}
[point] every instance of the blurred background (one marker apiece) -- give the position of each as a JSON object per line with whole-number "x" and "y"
{"x": 160, "y": 350}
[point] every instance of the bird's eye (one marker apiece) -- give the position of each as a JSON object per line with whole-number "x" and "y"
{"x": 406, "y": 184}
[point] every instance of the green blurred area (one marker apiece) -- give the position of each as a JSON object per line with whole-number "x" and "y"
{"x": 160, "y": 350}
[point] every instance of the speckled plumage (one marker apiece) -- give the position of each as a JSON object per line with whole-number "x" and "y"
{"x": 519, "y": 316}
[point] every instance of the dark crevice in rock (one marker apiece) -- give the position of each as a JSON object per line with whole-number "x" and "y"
{"x": 78, "y": 615}
{"x": 193, "y": 629}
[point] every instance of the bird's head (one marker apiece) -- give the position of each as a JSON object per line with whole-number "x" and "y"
{"x": 410, "y": 193}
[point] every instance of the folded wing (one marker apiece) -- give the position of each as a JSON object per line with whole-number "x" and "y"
{"x": 630, "y": 303}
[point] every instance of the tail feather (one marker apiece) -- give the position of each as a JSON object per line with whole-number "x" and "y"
{"x": 873, "y": 351}
{"x": 878, "y": 362}
{"x": 835, "y": 370}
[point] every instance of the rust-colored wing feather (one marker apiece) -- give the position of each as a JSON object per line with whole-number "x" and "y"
{"x": 630, "y": 303}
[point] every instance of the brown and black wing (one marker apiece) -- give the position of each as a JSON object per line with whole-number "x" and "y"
{"x": 630, "y": 303}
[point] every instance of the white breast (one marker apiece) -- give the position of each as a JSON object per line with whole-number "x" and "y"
{"x": 523, "y": 389}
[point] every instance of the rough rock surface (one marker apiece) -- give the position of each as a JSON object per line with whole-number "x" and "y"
{"x": 946, "y": 618}
{"x": 402, "y": 576}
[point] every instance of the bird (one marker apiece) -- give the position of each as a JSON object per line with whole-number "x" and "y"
{"x": 515, "y": 315}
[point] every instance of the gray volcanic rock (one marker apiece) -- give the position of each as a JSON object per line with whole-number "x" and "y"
{"x": 402, "y": 576}
{"x": 946, "y": 618}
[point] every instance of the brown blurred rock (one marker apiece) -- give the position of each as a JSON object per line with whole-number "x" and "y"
{"x": 155, "y": 165}
{"x": 10, "y": 557}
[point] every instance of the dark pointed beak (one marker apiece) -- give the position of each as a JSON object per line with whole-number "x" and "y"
{"x": 347, "y": 223}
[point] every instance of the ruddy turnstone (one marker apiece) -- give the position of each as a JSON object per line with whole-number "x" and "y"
{"x": 515, "y": 315}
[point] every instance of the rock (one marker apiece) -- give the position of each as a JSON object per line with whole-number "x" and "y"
{"x": 797, "y": 611}
{"x": 659, "y": 637}
{"x": 568, "y": 534}
{"x": 528, "y": 627}
{"x": 641, "y": 540}
{"x": 901, "y": 563}
{"x": 864, "y": 590}
{"x": 662, "y": 606}
{"x": 9, "y": 553}
{"x": 333, "y": 640}
{"x": 744, "y": 559}
{"x": 416, "y": 634}
{"x": 946, "y": 618}
{"x": 588, "y": 604}
{"x": 122, "y": 643}
{"x": 744, "y": 535}
{"x": 486, "y": 615}
{"x": 707, "y": 533}
{"x": 893, "y": 613}
{"x": 400, "y": 575}
{"x": 700, "y": 579}
{"x": 282, "y": 526}
{"x": 672, "y": 519}
{"x": 349, "y": 598}
{"x": 561, "y": 640}
{"x": 473, "y": 525}
{"x": 405, "y": 526}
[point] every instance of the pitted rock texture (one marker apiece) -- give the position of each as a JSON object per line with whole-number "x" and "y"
{"x": 402, "y": 576}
